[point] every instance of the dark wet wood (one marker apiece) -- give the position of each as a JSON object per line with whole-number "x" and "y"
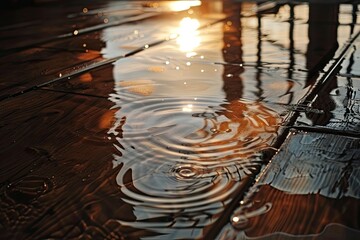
{"x": 78, "y": 54}
{"x": 337, "y": 100}
{"x": 57, "y": 178}
{"x": 49, "y": 188}
{"x": 311, "y": 184}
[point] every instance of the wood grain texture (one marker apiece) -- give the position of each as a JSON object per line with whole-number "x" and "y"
{"x": 54, "y": 147}
{"x": 338, "y": 99}
{"x": 310, "y": 185}
{"x": 338, "y": 105}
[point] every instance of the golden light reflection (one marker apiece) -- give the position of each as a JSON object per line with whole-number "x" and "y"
{"x": 86, "y": 77}
{"x": 188, "y": 38}
{"x": 183, "y": 5}
{"x": 107, "y": 119}
{"x": 187, "y": 108}
{"x": 141, "y": 87}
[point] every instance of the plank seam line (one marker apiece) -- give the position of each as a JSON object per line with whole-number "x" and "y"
{"x": 325, "y": 130}
{"x": 101, "y": 63}
{"x": 224, "y": 218}
{"x": 79, "y": 32}
{"x": 72, "y": 93}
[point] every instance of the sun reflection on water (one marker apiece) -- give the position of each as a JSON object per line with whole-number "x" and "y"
{"x": 189, "y": 37}
{"x": 183, "y": 5}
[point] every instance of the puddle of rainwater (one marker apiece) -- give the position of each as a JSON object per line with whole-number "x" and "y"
{"x": 192, "y": 116}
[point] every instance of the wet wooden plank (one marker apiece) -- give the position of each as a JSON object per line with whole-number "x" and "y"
{"x": 68, "y": 171}
{"x": 57, "y": 174}
{"x": 336, "y": 96}
{"x": 309, "y": 189}
{"x": 265, "y": 73}
{"x": 337, "y": 107}
{"x": 59, "y": 21}
{"x": 52, "y": 60}
{"x": 85, "y": 52}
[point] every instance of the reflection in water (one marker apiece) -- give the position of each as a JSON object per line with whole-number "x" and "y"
{"x": 186, "y": 139}
{"x": 182, "y": 5}
{"x": 184, "y": 158}
{"x": 188, "y": 37}
{"x": 184, "y": 147}
{"x": 323, "y": 27}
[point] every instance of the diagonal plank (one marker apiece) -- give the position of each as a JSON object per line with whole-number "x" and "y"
{"x": 85, "y": 52}
{"x": 310, "y": 188}
{"x": 337, "y": 100}
{"x": 57, "y": 176}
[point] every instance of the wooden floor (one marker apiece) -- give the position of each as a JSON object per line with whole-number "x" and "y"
{"x": 78, "y": 79}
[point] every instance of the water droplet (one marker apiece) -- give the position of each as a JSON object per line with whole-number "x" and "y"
{"x": 177, "y": 68}
{"x": 240, "y": 222}
{"x": 202, "y": 70}
{"x": 188, "y": 63}
{"x": 85, "y": 10}
{"x": 229, "y": 75}
{"x": 60, "y": 75}
{"x": 213, "y": 130}
{"x": 106, "y": 20}
{"x": 202, "y": 57}
{"x": 186, "y": 171}
{"x": 84, "y": 45}
{"x": 146, "y": 46}
{"x": 76, "y": 32}
{"x": 229, "y": 23}
{"x": 167, "y": 62}
{"x": 184, "y": 83}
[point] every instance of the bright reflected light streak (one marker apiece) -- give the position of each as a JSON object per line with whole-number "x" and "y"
{"x": 188, "y": 38}
{"x": 183, "y": 5}
{"x": 187, "y": 108}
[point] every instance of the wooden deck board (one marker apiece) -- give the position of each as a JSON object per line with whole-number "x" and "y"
{"x": 58, "y": 177}
{"x": 310, "y": 187}
{"x": 42, "y": 158}
{"x": 337, "y": 101}
{"x": 86, "y": 51}
{"x": 60, "y": 164}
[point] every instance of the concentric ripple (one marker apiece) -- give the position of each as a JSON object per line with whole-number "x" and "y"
{"x": 183, "y": 158}
{"x": 197, "y": 130}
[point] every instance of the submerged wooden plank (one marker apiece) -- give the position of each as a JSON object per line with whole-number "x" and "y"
{"x": 62, "y": 59}
{"x": 309, "y": 190}
{"x": 71, "y": 168}
{"x": 338, "y": 106}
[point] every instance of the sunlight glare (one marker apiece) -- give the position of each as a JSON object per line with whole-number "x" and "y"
{"x": 183, "y": 5}
{"x": 187, "y": 108}
{"x": 188, "y": 38}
